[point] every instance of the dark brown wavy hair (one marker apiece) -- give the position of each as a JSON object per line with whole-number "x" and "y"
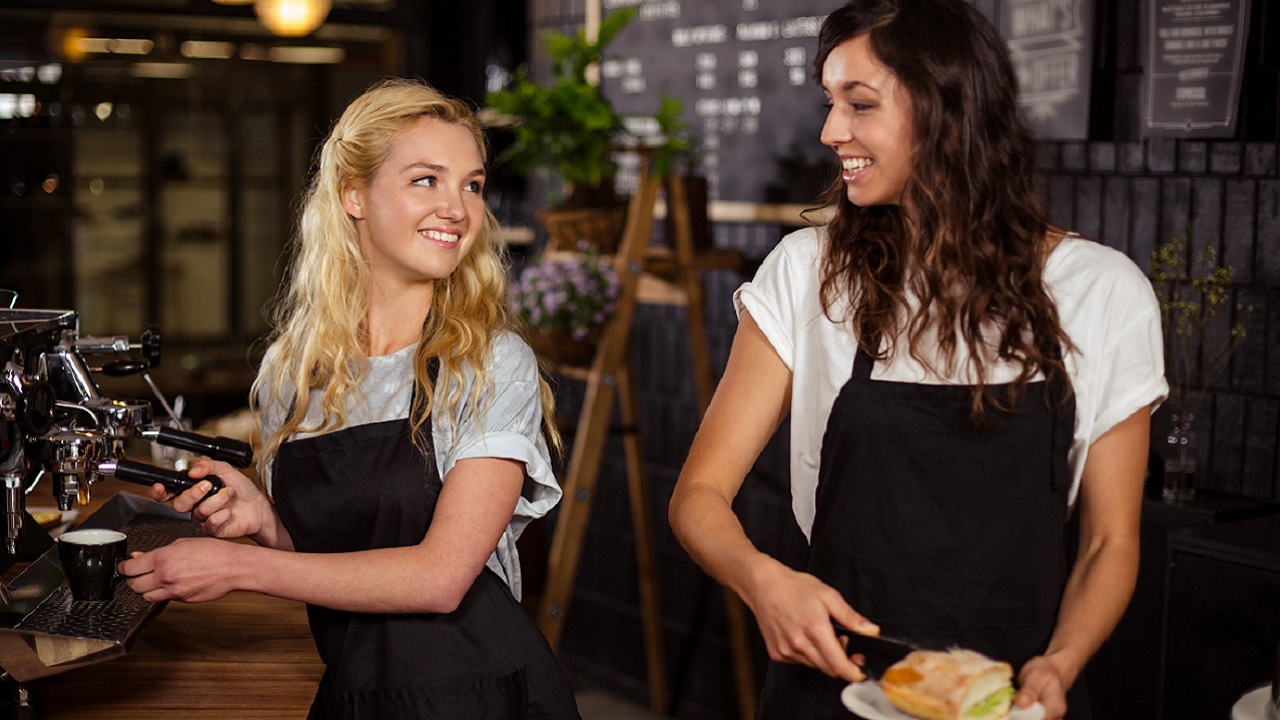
{"x": 973, "y": 252}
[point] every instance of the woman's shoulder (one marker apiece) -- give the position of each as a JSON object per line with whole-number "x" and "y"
{"x": 1081, "y": 269}
{"x": 798, "y": 253}
{"x": 510, "y": 357}
{"x": 806, "y": 242}
{"x": 1082, "y": 260}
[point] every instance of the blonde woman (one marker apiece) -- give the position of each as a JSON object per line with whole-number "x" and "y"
{"x": 405, "y": 432}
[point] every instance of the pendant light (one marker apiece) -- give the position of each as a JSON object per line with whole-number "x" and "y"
{"x": 291, "y": 18}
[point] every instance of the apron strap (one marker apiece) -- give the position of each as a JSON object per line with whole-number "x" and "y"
{"x": 1063, "y": 413}
{"x": 862, "y": 364}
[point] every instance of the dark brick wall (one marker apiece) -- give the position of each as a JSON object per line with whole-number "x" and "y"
{"x": 1131, "y": 196}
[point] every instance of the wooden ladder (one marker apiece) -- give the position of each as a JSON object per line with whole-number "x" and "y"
{"x": 652, "y": 275}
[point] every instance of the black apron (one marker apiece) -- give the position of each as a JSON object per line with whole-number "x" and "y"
{"x": 370, "y": 487}
{"x": 939, "y": 530}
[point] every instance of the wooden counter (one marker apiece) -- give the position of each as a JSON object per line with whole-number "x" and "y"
{"x": 244, "y": 657}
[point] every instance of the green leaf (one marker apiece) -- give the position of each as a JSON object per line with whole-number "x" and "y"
{"x": 990, "y": 703}
{"x": 613, "y": 23}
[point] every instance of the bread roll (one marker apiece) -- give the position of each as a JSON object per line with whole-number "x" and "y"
{"x": 950, "y": 685}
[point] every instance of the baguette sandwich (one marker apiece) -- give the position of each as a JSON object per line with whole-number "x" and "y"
{"x": 950, "y": 685}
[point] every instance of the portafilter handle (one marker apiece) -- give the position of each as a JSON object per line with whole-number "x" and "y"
{"x": 175, "y": 481}
{"x": 236, "y": 452}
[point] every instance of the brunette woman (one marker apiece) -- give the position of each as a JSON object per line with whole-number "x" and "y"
{"x": 960, "y": 377}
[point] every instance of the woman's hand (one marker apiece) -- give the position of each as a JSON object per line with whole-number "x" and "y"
{"x": 188, "y": 569}
{"x": 1042, "y": 681}
{"x": 795, "y": 611}
{"x": 239, "y": 509}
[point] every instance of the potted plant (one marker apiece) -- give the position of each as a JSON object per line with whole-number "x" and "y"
{"x": 569, "y": 127}
{"x": 565, "y": 299}
{"x": 1197, "y": 347}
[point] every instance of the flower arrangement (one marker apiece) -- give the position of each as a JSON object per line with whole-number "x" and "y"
{"x": 571, "y": 295}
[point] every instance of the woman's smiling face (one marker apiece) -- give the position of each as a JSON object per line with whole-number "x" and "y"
{"x": 868, "y": 124}
{"x": 424, "y": 208}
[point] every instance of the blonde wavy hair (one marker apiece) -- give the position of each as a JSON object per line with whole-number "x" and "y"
{"x": 319, "y": 318}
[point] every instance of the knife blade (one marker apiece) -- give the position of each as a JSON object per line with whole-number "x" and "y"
{"x": 879, "y": 652}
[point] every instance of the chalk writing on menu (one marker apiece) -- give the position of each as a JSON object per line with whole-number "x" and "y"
{"x": 1050, "y": 43}
{"x": 1196, "y": 56}
{"x": 743, "y": 70}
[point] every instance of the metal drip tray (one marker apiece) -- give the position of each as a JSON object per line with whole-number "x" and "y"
{"x": 43, "y": 631}
{"x": 60, "y": 615}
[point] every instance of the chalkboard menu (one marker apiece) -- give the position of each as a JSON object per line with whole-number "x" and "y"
{"x": 743, "y": 69}
{"x": 1194, "y": 66}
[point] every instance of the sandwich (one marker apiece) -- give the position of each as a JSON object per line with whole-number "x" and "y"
{"x": 950, "y": 685}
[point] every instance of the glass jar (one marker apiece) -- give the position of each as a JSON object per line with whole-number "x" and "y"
{"x": 1180, "y": 460}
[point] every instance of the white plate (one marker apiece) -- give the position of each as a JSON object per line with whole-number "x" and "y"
{"x": 868, "y": 700}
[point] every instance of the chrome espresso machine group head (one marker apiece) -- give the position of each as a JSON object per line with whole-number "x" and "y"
{"x": 55, "y": 420}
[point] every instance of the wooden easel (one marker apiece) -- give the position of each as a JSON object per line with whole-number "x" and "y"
{"x": 645, "y": 274}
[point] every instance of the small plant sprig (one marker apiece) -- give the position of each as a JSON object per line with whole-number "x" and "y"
{"x": 567, "y": 293}
{"x": 1192, "y": 291}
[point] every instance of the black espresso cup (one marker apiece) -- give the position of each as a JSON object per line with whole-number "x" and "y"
{"x": 89, "y": 559}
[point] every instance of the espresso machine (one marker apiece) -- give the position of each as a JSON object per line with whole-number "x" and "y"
{"x": 56, "y": 423}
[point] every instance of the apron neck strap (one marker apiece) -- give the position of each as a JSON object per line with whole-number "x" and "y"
{"x": 862, "y": 364}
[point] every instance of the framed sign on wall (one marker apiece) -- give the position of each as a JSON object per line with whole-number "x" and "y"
{"x": 1194, "y": 66}
{"x": 1051, "y": 45}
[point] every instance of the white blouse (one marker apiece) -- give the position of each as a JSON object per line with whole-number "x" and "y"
{"x": 1105, "y": 304}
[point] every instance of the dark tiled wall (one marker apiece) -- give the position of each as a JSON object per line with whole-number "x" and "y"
{"x": 1132, "y": 196}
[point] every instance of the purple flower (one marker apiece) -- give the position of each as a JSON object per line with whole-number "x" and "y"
{"x": 574, "y": 295}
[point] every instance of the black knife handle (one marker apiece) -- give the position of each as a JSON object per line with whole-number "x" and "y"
{"x": 878, "y": 653}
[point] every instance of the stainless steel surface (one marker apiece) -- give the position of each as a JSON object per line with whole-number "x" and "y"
{"x": 54, "y": 419}
{"x": 44, "y": 632}
{"x": 68, "y": 373}
{"x": 13, "y": 516}
{"x": 15, "y": 322}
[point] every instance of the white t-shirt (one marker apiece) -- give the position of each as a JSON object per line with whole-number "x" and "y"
{"x": 1105, "y": 304}
{"x": 510, "y": 426}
